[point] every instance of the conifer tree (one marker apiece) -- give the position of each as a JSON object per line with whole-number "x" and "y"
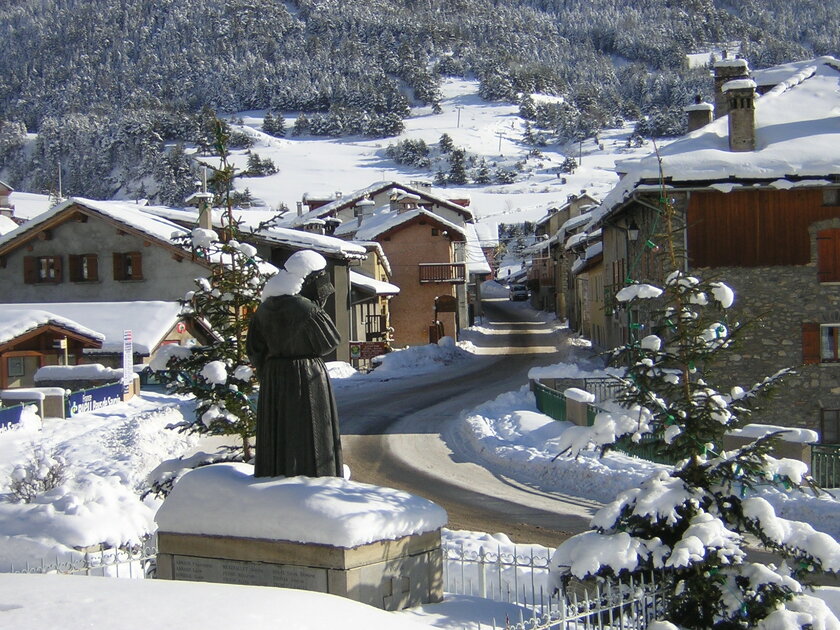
{"x": 457, "y": 167}
{"x": 482, "y": 175}
{"x": 445, "y": 143}
{"x": 690, "y": 523}
{"x": 219, "y": 374}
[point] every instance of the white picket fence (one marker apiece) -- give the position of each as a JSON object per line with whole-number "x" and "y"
{"x": 514, "y": 577}
{"x": 524, "y": 579}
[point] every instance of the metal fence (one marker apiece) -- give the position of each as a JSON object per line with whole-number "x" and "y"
{"x": 515, "y": 577}
{"x": 550, "y": 402}
{"x": 135, "y": 562}
{"x": 524, "y": 579}
{"x": 825, "y": 465}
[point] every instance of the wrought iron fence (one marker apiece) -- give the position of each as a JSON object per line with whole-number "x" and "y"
{"x": 523, "y": 579}
{"x": 137, "y": 562}
{"x": 825, "y": 465}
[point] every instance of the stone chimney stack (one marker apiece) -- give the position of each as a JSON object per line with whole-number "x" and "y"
{"x": 364, "y": 207}
{"x": 740, "y": 96}
{"x": 700, "y": 114}
{"x": 727, "y": 70}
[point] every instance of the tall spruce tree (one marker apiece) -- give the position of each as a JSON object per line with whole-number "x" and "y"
{"x": 691, "y": 523}
{"x": 219, "y": 374}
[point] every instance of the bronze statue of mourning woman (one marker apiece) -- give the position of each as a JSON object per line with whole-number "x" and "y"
{"x": 297, "y": 419}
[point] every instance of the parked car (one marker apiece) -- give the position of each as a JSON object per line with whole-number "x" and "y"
{"x": 518, "y": 292}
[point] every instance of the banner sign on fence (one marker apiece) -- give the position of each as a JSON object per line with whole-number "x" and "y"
{"x": 10, "y": 415}
{"x": 86, "y": 400}
{"x": 128, "y": 360}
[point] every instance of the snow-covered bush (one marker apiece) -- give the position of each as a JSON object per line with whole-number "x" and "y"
{"x": 41, "y": 473}
{"x": 693, "y": 522}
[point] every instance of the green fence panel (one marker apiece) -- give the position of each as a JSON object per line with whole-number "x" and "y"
{"x": 550, "y": 402}
{"x": 649, "y": 448}
{"x": 825, "y": 465}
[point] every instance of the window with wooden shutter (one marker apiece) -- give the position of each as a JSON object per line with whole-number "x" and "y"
{"x": 128, "y": 266}
{"x": 30, "y": 269}
{"x": 136, "y": 261}
{"x": 810, "y": 343}
{"x": 830, "y": 343}
{"x": 119, "y": 267}
{"x": 828, "y": 255}
{"x": 42, "y": 269}
{"x": 83, "y": 267}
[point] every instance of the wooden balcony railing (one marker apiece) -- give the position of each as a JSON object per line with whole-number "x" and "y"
{"x": 443, "y": 272}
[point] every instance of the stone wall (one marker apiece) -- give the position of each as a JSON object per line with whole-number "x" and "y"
{"x": 774, "y": 302}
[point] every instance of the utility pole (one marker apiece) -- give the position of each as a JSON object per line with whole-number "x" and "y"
{"x": 501, "y": 135}
{"x": 458, "y": 109}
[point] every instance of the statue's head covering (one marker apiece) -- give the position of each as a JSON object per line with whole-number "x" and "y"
{"x": 301, "y": 267}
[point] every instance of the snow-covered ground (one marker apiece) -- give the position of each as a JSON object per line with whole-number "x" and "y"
{"x": 107, "y": 455}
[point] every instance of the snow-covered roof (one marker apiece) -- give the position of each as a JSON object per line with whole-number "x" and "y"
{"x": 14, "y": 322}
{"x": 249, "y": 220}
{"x": 6, "y": 225}
{"x": 353, "y": 198}
{"x": 326, "y": 245}
{"x": 149, "y": 321}
{"x": 29, "y": 205}
{"x": 126, "y": 214}
{"x": 370, "y": 285}
{"x": 591, "y": 255}
{"x": 475, "y": 258}
{"x": 797, "y": 139}
{"x": 487, "y": 232}
{"x": 382, "y": 220}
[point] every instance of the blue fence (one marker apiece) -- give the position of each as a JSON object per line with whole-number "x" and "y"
{"x": 10, "y": 415}
{"x": 86, "y": 400}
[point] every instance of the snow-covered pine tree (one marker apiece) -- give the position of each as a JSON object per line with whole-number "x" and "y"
{"x": 691, "y": 523}
{"x": 457, "y": 167}
{"x": 219, "y": 374}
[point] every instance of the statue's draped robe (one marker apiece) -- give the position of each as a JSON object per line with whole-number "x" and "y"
{"x": 297, "y": 419}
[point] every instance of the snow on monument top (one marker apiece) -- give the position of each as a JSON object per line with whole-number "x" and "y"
{"x": 226, "y": 500}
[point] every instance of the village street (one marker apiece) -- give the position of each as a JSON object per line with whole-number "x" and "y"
{"x": 402, "y": 433}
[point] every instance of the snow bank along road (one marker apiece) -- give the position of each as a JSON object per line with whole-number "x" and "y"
{"x": 401, "y": 433}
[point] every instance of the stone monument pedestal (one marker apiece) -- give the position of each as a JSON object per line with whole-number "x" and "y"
{"x": 378, "y": 546}
{"x": 388, "y": 574}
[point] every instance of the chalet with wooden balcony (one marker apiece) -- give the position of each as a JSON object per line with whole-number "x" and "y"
{"x": 758, "y": 193}
{"x": 427, "y": 240}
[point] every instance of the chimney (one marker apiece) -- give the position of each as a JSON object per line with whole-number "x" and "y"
{"x": 363, "y": 208}
{"x": 740, "y": 96}
{"x": 300, "y": 208}
{"x": 727, "y": 70}
{"x": 331, "y": 225}
{"x": 699, "y": 114}
{"x": 314, "y": 226}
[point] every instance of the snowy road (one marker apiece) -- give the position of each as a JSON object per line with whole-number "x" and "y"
{"x": 401, "y": 433}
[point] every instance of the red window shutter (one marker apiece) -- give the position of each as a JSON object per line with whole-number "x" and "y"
{"x": 828, "y": 255}
{"x": 30, "y": 269}
{"x": 810, "y": 343}
{"x": 119, "y": 267}
{"x": 93, "y": 267}
{"x": 136, "y": 265}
